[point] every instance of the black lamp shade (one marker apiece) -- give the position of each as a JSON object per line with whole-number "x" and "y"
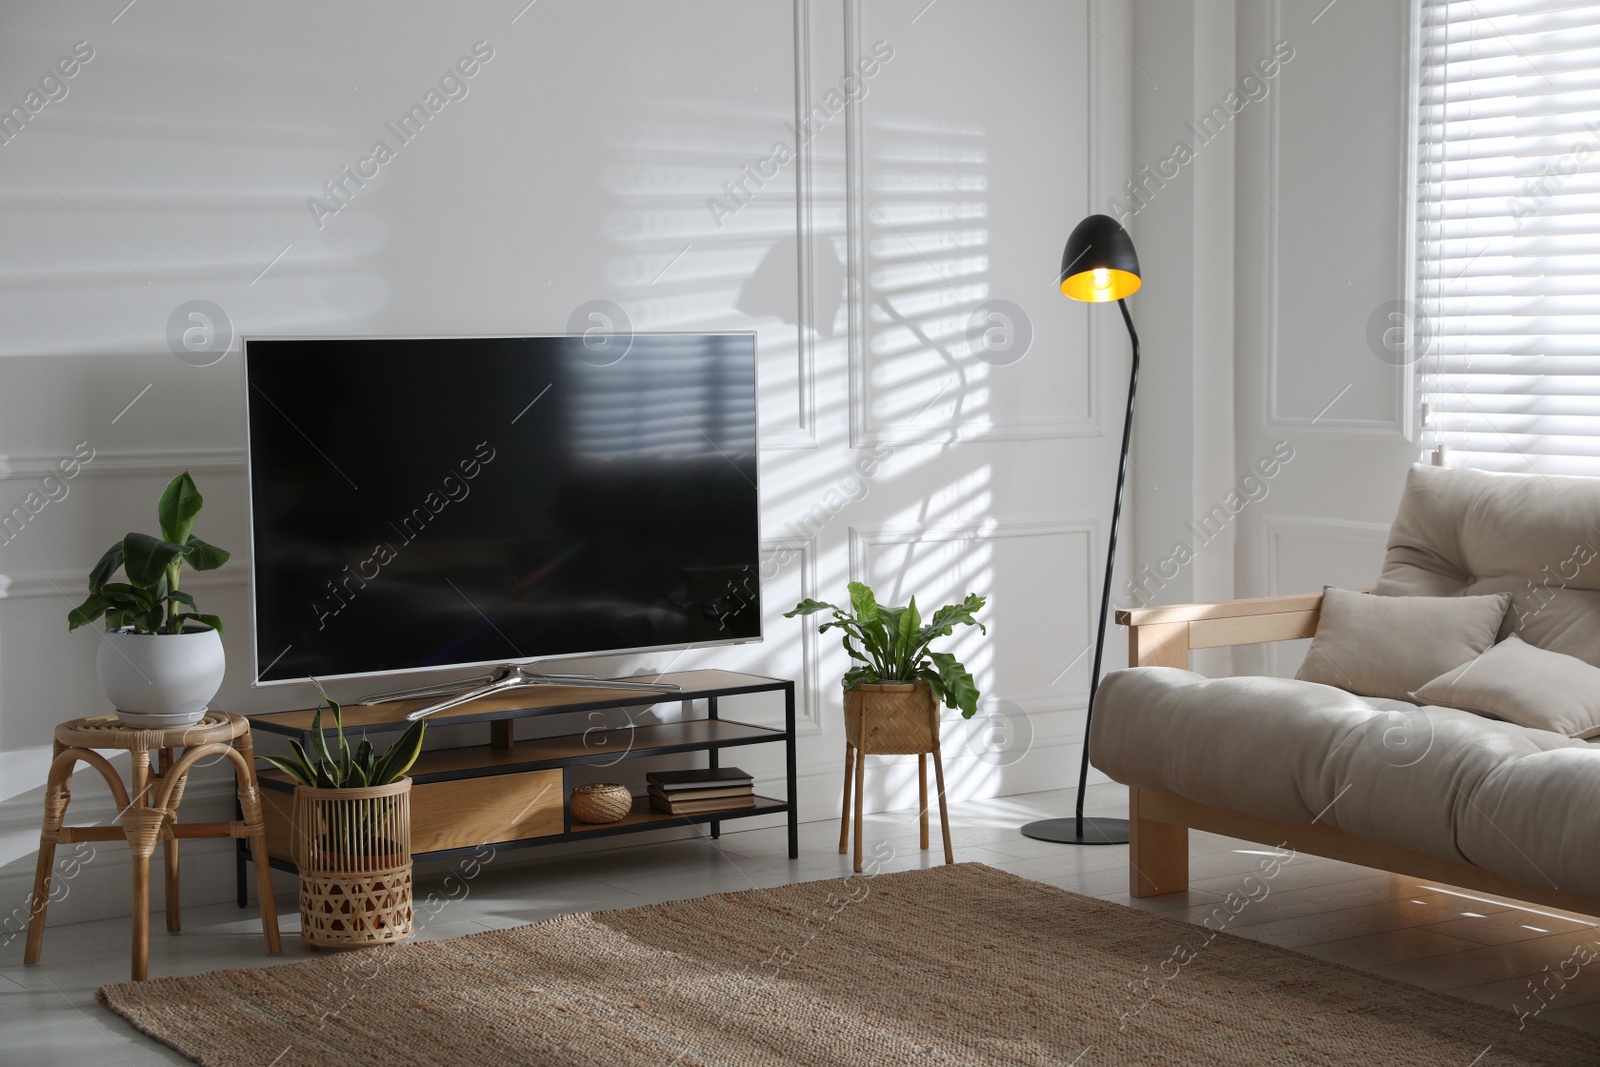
{"x": 1099, "y": 263}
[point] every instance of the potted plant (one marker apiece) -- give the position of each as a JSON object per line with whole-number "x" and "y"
{"x": 352, "y": 833}
{"x": 161, "y": 660}
{"x": 893, "y": 690}
{"x": 891, "y": 650}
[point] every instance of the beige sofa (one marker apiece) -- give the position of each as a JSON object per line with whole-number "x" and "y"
{"x": 1430, "y": 792}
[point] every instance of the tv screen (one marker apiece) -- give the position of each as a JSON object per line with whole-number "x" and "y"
{"x": 433, "y": 502}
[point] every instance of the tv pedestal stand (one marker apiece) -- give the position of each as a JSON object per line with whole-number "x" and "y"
{"x": 470, "y": 689}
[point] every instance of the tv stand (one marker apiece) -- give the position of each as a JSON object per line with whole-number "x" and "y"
{"x": 511, "y": 793}
{"x": 510, "y": 677}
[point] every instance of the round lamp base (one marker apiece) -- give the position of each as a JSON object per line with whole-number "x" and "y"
{"x": 1065, "y": 831}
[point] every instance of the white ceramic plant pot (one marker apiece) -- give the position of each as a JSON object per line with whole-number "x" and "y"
{"x": 159, "y": 680}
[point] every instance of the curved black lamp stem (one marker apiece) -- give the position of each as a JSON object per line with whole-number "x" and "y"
{"x": 1111, "y": 560}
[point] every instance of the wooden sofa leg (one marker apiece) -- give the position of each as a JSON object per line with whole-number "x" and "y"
{"x": 1158, "y": 854}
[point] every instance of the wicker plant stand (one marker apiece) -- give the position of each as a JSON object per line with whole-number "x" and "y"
{"x": 151, "y": 815}
{"x": 891, "y": 720}
{"x": 353, "y": 849}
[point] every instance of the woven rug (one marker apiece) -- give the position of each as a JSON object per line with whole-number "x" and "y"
{"x": 954, "y": 965}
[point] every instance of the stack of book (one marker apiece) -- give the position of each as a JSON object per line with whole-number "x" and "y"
{"x": 700, "y": 792}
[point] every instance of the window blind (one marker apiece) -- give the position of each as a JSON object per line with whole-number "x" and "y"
{"x": 1507, "y": 233}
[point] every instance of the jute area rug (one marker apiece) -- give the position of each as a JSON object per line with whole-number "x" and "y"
{"x": 953, "y": 965}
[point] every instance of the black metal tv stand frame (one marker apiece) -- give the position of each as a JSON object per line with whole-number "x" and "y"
{"x": 512, "y": 793}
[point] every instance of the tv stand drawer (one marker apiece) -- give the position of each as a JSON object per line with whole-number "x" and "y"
{"x": 486, "y": 810}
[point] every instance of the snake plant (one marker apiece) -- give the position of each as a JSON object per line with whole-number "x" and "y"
{"x": 338, "y": 767}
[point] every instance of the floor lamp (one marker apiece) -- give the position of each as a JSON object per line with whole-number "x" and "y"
{"x": 1099, "y": 265}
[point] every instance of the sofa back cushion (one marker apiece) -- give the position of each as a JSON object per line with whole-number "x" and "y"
{"x": 1465, "y": 532}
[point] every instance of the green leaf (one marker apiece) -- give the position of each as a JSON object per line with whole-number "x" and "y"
{"x": 180, "y": 504}
{"x": 204, "y": 557}
{"x": 106, "y": 567}
{"x": 213, "y": 621}
{"x": 131, "y": 596}
{"x": 323, "y": 693}
{"x": 401, "y": 755}
{"x": 308, "y": 775}
{"x": 959, "y": 689}
{"x": 810, "y": 607}
{"x": 366, "y": 758}
{"x": 87, "y": 612}
{"x": 289, "y": 767}
{"x": 181, "y": 597}
{"x": 146, "y": 558}
{"x": 856, "y": 675}
{"x": 344, "y": 746}
{"x": 906, "y": 627}
{"x": 947, "y": 618}
{"x": 319, "y": 741}
{"x": 864, "y": 603}
{"x": 876, "y": 640}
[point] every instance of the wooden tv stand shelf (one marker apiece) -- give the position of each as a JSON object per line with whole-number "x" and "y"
{"x": 512, "y": 793}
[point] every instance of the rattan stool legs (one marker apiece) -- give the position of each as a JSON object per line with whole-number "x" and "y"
{"x": 148, "y": 814}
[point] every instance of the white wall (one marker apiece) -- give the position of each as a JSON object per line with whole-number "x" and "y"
{"x": 1268, "y": 203}
{"x": 579, "y": 166}
{"x": 1181, "y": 216}
{"x": 1320, "y": 251}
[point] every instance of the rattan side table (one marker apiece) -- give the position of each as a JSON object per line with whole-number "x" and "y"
{"x": 148, "y": 812}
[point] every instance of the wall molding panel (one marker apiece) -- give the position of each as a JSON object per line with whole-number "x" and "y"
{"x": 803, "y": 434}
{"x": 1398, "y": 424}
{"x": 866, "y": 431}
{"x": 808, "y": 694}
{"x": 126, "y": 463}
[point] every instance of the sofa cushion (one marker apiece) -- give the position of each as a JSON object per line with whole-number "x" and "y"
{"x": 1430, "y": 779}
{"x": 1525, "y": 685}
{"x": 1389, "y": 646}
{"x": 1533, "y": 819}
{"x": 1538, "y": 538}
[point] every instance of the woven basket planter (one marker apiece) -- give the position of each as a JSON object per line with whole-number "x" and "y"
{"x": 885, "y": 719}
{"x": 353, "y": 848}
{"x": 601, "y": 803}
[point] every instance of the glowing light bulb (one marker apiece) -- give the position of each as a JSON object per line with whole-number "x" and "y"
{"x": 1102, "y": 279}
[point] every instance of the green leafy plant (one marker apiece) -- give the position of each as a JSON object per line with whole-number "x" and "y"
{"x": 150, "y": 602}
{"x": 340, "y": 767}
{"x": 891, "y": 644}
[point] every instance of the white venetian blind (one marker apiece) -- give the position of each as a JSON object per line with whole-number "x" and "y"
{"x": 1508, "y": 233}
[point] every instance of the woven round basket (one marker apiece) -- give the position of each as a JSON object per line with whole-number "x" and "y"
{"x": 891, "y": 719}
{"x": 601, "y": 803}
{"x": 353, "y": 849}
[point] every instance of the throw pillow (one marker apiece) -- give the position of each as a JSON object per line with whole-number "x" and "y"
{"x": 1391, "y": 646}
{"x": 1524, "y": 684}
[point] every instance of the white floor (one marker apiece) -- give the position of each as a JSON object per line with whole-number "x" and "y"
{"x": 1473, "y": 946}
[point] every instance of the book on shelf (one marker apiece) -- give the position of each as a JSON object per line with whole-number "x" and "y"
{"x": 704, "y": 794}
{"x": 672, "y": 782}
{"x": 701, "y": 807}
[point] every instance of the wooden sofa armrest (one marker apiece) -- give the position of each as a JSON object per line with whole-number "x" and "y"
{"x": 1164, "y": 636}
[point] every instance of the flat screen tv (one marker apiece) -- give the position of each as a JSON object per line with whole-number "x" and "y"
{"x": 434, "y": 502}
